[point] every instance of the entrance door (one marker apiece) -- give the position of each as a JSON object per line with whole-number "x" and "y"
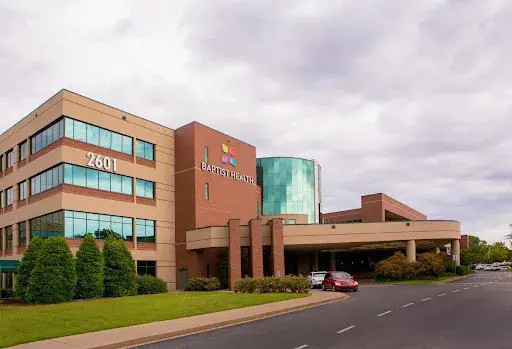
{"x": 183, "y": 278}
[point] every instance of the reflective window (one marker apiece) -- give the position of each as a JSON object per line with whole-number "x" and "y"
{"x": 145, "y": 150}
{"x": 48, "y": 225}
{"x": 145, "y": 188}
{"x": 291, "y": 221}
{"x": 23, "y": 150}
{"x": 78, "y": 224}
{"x": 145, "y": 230}
{"x": 10, "y": 158}
{"x": 206, "y": 154}
{"x": 146, "y": 268}
{"x": 91, "y": 178}
{"x": 2, "y": 204}
{"x": 46, "y": 180}
{"x": 207, "y": 191}
{"x": 95, "y": 135}
{"x": 47, "y": 136}
{"x": 22, "y": 234}
{"x": 22, "y": 190}
{"x": 8, "y": 196}
{"x": 8, "y": 237}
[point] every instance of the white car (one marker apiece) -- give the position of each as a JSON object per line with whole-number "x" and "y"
{"x": 316, "y": 278}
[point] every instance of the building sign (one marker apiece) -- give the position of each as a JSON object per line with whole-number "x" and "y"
{"x": 102, "y": 162}
{"x": 228, "y": 157}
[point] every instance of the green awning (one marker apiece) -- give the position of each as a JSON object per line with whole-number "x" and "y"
{"x": 9, "y": 266}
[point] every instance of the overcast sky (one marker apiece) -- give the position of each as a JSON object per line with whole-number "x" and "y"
{"x": 409, "y": 98}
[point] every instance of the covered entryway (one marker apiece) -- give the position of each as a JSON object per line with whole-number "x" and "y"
{"x": 8, "y": 272}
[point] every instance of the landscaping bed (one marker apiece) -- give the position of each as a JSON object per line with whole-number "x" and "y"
{"x": 23, "y": 324}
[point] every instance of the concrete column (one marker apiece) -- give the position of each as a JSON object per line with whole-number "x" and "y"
{"x": 27, "y": 230}
{"x": 277, "y": 248}
{"x": 332, "y": 261}
{"x": 411, "y": 250}
{"x": 456, "y": 251}
{"x": 437, "y": 250}
{"x": 256, "y": 248}
{"x": 15, "y": 239}
{"x": 315, "y": 261}
{"x": 234, "y": 254}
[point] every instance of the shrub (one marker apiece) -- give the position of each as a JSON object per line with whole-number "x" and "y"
{"x": 89, "y": 270}
{"x": 294, "y": 284}
{"x": 246, "y": 285}
{"x": 28, "y": 262}
{"x": 432, "y": 264}
{"x": 53, "y": 279}
{"x": 203, "y": 284}
{"x": 462, "y": 270}
{"x": 119, "y": 269}
{"x": 148, "y": 284}
{"x": 395, "y": 267}
{"x": 449, "y": 264}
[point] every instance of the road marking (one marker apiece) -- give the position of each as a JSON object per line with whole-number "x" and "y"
{"x": 384, "y": 313}
{"x": 455, "y": 291}
{"x": 407, "y": 305}
{"x": 466, "y": 288}
{"x": 302, "y": 346}
{"x": 442, "y": 294}
{"x": 346, "y": 329}
{"x": 475, "y": 286}
{"x": 426, "y": 299}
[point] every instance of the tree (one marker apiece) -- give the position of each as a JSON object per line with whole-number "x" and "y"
{"x": 89, "y": 269}
{"x": 28, "y": 262}
{"x": 478, "y": 251}
{"x": 120, "y": 278}
{"x": 499, "y": 252}
{"x": 53, "y": 279}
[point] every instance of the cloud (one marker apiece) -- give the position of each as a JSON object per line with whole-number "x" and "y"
{"x": 408, "y": 98}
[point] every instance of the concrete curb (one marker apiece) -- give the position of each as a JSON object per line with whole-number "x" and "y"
{"x": 455, "y": 278}
{"x": 186, "y": 332}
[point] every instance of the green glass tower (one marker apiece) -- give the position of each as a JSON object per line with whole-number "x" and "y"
{"x": 290, "y": 186}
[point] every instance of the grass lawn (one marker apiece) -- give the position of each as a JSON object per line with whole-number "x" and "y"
{"x": 428, "y": 281}
{"x": 22, "y": 324}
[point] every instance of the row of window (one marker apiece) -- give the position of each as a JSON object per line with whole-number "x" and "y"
{"x": 75, "y": 225}
{"x": 6, "y": 198}
{"x": 47, "y": 136}
{"x": 145, "y": 150}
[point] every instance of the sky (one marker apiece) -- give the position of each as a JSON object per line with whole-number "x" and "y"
{"x": 409, "y": 98}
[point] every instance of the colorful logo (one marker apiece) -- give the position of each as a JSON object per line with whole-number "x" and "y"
{"x": 229, "y": 155}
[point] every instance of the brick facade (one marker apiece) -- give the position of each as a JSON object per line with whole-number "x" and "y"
{"x": 256, "y": 248}
{"x": 234, "y": 255}
{"x": 277, "y": 248}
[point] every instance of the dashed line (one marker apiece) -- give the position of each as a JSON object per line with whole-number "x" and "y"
{"x": 302, "y": 346}
{"x": 384, "y": 313}
{"x": 466, "y": 288}
{"x": 455, "y": 291}
{"x": 441, "y": 295}
{"x": 407, "y": 305}
{"x": 346, "y": 329}
{"x": 475, "y": 286}
{"x": 426, "y": 299}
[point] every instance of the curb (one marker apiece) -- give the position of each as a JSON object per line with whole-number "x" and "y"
{"x": 186, "y": 332}
{"x": 455, "y": 278}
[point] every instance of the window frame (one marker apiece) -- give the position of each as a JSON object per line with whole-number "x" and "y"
{"x": 36, "y": 180}
{"x": 206, "y": 154}
{"x": 143, "y": 265}
{"x": 8, "y": 196}
{"x": 54, "y": 131}
{"x": 144, "y": 145}
{"x": 22, "y": 189}
{"x": 141, "y": 222}
{"x": 22, "y": 151}
{"x": 8, "y": 232}
{"x": 207, "y": 191}
{"x": 22, "y": 238}
{"x": 9, "y": 158}
{"x": 145, "y": 184}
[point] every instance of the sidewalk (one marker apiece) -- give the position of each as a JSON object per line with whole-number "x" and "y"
{"x": 146, "y": 333}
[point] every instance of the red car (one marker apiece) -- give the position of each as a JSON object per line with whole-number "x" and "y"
{"x": 339, "y": 281}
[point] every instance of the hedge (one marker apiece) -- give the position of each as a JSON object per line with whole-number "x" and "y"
{"x": 428, "y": 265}
{"x": 28, "y": 262}
{"x": 148, "y": 284}
{"x": 89, "y": 270}
{"x": 203, "y": 284}
{"x": 295, "y": 284}
{"x": 119, "y": 269}
{"x": 53, "y": 279}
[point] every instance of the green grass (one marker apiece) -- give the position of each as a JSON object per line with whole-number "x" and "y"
{"x": 440, "y": 279}
{"x": 23, "y": 324}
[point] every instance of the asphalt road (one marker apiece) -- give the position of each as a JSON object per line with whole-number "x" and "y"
{"x": 475, "y": 312}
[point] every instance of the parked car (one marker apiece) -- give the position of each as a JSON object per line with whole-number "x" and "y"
{"x": 316, "y": 278}
{"x": 339, "y": 281}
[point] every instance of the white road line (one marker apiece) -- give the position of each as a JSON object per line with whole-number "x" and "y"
{"x": 384, "y": 313}
{"x": 442, "y": 294}
{"x": 426, "y": 299}
{"x": 407, "y": 305}
{"x": 302, "y": 346}
{"x": 455, "y": 291}
{"x": 345, "y": 329}
{"x": 475, "y": 286}
{"x": 466, "y": 288}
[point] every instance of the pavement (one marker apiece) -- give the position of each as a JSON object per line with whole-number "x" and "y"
{"x": 146, "y": 333}
{"x": 474, "y": 312}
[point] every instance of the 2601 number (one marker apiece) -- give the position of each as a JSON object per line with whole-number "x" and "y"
{"x": 102, "y": 162}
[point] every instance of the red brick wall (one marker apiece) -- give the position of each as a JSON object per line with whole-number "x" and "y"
{"x": 256, "y": 248}
{"x": 277, "y": 248}
{"x": 234, "y": 255}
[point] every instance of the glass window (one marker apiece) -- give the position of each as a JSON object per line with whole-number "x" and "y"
{"x": 116, "y": 183}
{"x": 104, "y": 179}
{"x": 22, "y": 234}
{"x": 145, "y": 150}
{"x": 23, "y": 150}
{"x": 68, "y": 174}
{"x": 70, "y": 124}
{"x": 206, "y": 191}
{"x": 10, "y": 158}
{"x": 79, "y": 174}
{"x": 117, "y": 142}
{"x": 8, "y": 196}
{"x": 145, "y": 188}
{"x": 46, "y": 137}
{"x": 146, "y": 268}
{"x": 105, "y": 138}
{"x": 38, "y": 142}
{"x": 127, "y": 187}
{"x": 206, "y": 154}
{"x": 93, "y": 135}
{"x": 92, "y": 178}
{"x": 145, "y": 230}
{"x": 48, "y": 225}
{"x": 127, "y": 145}
{"x": 55, "y": 176}
{"x": 8, "y": 237}
{"x": 80, "y": 131}
{"x": 140, "y": 149}
{"x": 22, "y": 190}
{"x": 291, "y": 221}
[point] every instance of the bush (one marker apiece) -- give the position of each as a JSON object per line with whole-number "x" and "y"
{"x": 148, "y": 284}
{"x": 28, "y": 262}
{"x": 203, "y": 284}
{"x": 89, "y": 270}
{"x": 462, "y": 270}
{"x": 295, "y": 284}
{"x": 119, "y": 269}
{"x": 432, "y": 264}
{"x": 449, "y": 263}
{"x": 395, "y": 267}
{"x": 53, "y": 279}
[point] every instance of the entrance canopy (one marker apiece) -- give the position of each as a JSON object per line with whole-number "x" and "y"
{"x": 9, "y": 266}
